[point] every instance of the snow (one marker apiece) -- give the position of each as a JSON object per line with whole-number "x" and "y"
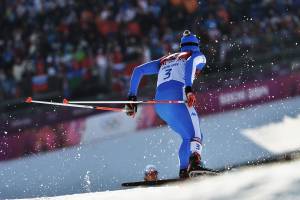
{"x": 104, "y": 165}
{"x": 278, "y": 181}
{"x": 275, "y": 136}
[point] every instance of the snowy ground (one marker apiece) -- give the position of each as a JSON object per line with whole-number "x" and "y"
{"x": 230, "y": 138}
{"x": 278, "y": 181}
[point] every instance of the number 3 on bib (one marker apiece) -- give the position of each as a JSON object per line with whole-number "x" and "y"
{"x": 167, "y": 73}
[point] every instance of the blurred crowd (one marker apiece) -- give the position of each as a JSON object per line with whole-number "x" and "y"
{"x": 61, "y": 45}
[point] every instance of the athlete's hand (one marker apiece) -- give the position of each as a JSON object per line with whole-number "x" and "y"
{"x": 191, "y": 99}
{"x": 131, "y": 108}
{"x": 190, "y": 96}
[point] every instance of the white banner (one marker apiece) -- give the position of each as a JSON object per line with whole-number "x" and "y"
{"x": 108, "y": 125}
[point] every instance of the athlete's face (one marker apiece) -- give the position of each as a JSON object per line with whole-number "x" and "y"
{"x": 151, "y": 176}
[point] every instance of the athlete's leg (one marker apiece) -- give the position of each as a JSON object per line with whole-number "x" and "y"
{"x": 185, "y": 122}
{"x": 190, "y": 132}
{"x": 182, "y": 120}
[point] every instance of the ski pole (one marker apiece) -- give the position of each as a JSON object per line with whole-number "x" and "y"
{"x": 124, "y": 102}
{"x": 65, "y": 103}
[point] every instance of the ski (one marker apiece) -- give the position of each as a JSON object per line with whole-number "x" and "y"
{"x": 192, "y": 175}
{"x": 208, "y": 172}
{"x": 151, "y": 183}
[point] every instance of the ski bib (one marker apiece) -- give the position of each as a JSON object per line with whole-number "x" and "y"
{"x": 173, "y": 68}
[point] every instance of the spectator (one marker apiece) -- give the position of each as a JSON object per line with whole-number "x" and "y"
{"x": 62, "y": 37}
{"x": 102, "y": 65}
{"x": 150, "y": 173}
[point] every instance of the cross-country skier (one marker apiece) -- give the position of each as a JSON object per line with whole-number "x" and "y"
{"x": 176, "y": 73}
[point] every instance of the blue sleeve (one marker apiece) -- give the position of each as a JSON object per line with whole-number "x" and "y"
{"x": 200, "y": 61}
{"x": 149, "y": 68}
{"x": 200, "y": 66}
{"x": 196, "y": 61}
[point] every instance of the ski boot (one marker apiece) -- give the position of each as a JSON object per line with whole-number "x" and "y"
{"x": 196, "y": 167}
{"x": 183, "y": 174}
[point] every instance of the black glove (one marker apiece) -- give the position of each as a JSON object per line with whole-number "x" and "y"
{"x": 131, "y": 108}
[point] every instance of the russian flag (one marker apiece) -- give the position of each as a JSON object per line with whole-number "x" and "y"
{"x": 39, "y": 83}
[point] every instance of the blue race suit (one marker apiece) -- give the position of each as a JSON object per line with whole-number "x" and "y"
{"x": 175, "y": 72}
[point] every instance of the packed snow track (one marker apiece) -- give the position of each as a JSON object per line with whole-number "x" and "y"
{"x": 276, "y": 181}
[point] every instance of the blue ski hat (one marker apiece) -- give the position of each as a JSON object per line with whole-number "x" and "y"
{"x": 189, "y": 42}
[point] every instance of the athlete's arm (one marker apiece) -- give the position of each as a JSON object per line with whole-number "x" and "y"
{"x": 149, "y": 68}
{"x": 200, "y": 61}
{"x": 196, "y": 61}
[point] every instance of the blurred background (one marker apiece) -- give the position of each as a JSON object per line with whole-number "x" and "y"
{"x": 87, "y": 50}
